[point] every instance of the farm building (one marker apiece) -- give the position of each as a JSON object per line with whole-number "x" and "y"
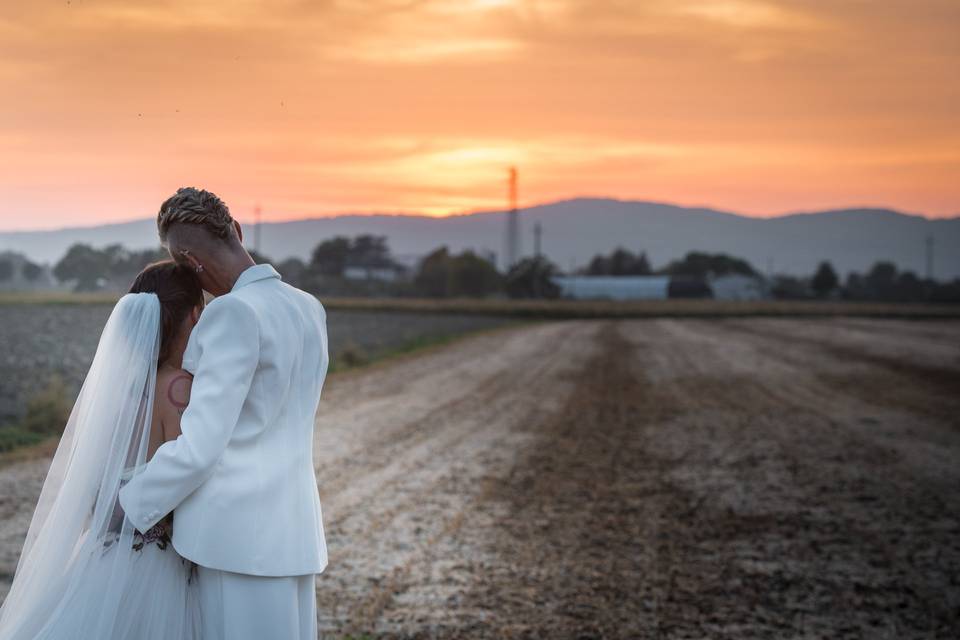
{"x": 726, "y": 287}
{"x": 613, "y": 287}
{"x": 735, "y": 286}
{"x": 381, "y": 274}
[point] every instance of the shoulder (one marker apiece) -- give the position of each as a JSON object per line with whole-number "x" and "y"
{"x": 230, "y": 310}
{"x": 307, "y": 300}
{"x": 231, "y": 303}
{"x": 313, "y": 301}
{"x": 173, "y": 388}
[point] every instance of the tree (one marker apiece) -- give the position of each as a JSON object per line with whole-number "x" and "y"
{"x": 31, "y": 271}
{"x": 701, "y": 265}
{"x": 6, "y": 269}
{"x": 854, "y": 287}
{"x": 825, "y": 280}
{"x": 124, "y": 265}
{"x": 642, "y": 265}
{"x": 85, "y": 265}
{"x": 909, "y": 288}
{"x": 946, "y": 291}
{"x": 473, "y": 276}
{"x": 619, "y": 263}
{"x": 442, "y": 274}
{"x": 885, "y": 282}
{"x": 531, "y": 278}
{"x": 880, "y": 281}
{"x": 433, "y": 276}
{"x": 625, "y": 263}
{"x": 92, "y": 269}
{"x": 599, "y": 266}
{"x": 786, "y": 287}
{"x": 292, "y": 271}
{"x": 369, "y": 251}
{"x": 330, "y": 256}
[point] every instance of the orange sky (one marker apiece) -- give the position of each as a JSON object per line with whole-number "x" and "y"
{"x": 313, "y": 108}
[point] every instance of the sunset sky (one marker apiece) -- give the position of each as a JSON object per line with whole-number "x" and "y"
{"x": 316, "y": 108}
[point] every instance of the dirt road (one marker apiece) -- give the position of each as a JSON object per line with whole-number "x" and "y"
{"x": 639, "y": 479}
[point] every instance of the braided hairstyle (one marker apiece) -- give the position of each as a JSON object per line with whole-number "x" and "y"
{"x": 179, "y": 292}
{"x": 190, "y": 205}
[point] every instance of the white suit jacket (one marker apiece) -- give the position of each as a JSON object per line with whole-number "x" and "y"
{"x": 241, "y": 474}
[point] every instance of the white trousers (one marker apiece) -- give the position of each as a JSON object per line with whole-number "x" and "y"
{"x": 235, "y": 606}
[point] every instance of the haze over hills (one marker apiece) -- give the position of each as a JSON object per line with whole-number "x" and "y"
{"x": 575, "y": 230}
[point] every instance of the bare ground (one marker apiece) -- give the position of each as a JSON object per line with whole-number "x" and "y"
{"x": 753, "y": 478}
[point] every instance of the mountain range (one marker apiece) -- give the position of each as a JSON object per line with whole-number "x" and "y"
{"x": 575, "y": 230}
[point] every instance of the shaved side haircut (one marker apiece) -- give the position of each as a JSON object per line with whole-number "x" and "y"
{"x": 198, "y": 207}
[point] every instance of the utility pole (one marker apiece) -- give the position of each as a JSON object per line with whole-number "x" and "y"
{"x": 513, "y": 223}
{"x": 537, "y": 238}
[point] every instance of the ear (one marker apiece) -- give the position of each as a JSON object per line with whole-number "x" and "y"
{"x": 236, "y": 225}
{"x": 190, "y": 260}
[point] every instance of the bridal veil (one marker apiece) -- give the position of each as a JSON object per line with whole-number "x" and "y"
{"x": 78, "y": 525}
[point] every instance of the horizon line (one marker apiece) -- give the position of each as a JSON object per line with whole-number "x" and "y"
{"x": 472, "y": 212}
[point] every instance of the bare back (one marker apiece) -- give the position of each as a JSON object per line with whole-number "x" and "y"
{"x": 170, "y": 400}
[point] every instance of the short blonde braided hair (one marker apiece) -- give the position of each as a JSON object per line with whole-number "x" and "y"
{"x": 190, "y": 205}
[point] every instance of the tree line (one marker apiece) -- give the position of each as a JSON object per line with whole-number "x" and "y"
{"x": 364, "y": 266}
{"x": 883, "y": 282}
{"x": 440, "y": 274}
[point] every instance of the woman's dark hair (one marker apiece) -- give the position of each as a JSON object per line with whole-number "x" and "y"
{"x": 179, "y": 292}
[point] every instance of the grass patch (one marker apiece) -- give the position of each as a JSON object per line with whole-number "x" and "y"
{"x": 46, "y": 416}
{"x": 353, "y": 357}
{"x": 15, "y": 437}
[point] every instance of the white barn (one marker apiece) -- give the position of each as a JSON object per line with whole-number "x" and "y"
{"x": 735, "y": 286}
{"x": 613, "y": 287}
{"x": 381, "y": 274}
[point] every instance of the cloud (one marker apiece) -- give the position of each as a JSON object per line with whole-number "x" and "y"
{"x": 324, "y": 105}
{"x": 745, "y": 14}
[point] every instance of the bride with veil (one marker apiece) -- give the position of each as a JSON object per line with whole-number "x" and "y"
{"x": 85, "y": 571}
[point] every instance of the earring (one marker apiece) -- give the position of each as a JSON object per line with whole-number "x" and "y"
{"x": 199, "y": 268}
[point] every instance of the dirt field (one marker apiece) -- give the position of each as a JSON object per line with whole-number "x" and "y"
{"x": 40, "y": 341}
{"x": 754, "y": 478}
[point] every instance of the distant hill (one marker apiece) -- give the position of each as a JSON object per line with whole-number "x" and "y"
{"x": 575, "y": 230}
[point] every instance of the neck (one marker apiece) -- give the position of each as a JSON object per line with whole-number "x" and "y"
{"x": 174, "y": 362}
{"x": 228, "y": 271}
{"x": 177, "y": 347}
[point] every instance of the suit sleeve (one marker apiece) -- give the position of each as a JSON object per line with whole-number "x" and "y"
{"x": 228, "y": 338}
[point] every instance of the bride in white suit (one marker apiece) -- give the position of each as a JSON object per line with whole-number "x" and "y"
{"x": 84, "y": 571}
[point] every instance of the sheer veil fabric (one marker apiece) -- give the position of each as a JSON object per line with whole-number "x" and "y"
{"x": 78, "y": 562}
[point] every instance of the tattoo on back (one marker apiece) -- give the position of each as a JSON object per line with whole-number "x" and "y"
{"x": 178, "y": 393}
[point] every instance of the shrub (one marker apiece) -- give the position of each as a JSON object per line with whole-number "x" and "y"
{"x": 351, "y": 356}
{"x": 14, "y": 437}
{"x": 48, "y": 411}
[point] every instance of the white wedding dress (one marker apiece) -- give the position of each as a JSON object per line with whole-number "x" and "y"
{"x": 85, "y": 572}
